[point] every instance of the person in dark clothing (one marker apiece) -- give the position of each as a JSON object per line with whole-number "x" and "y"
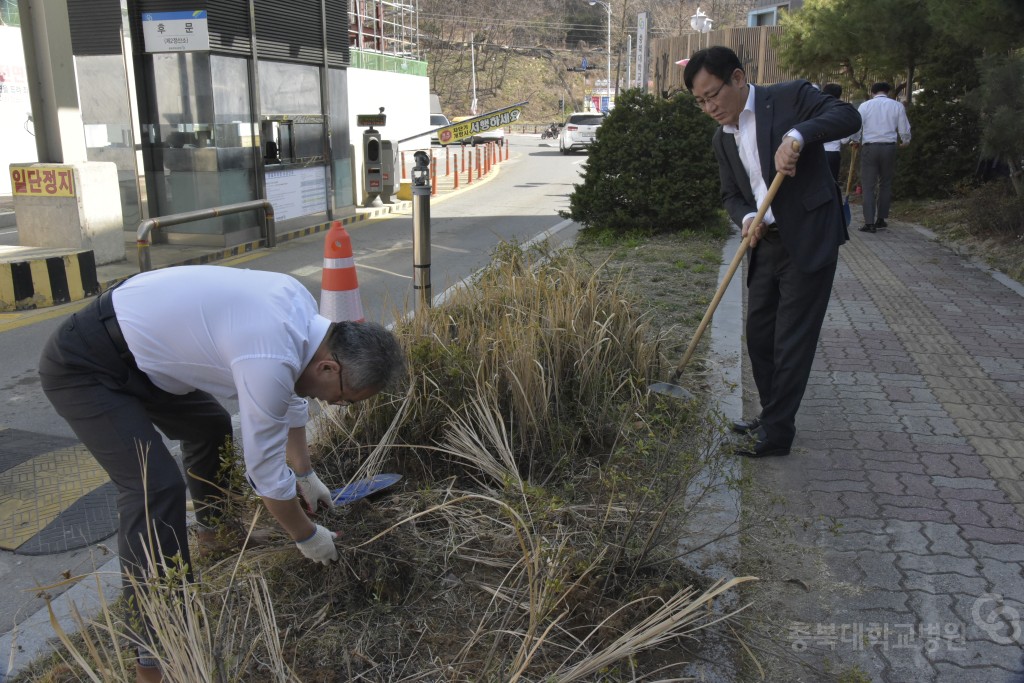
{"x": 793, "y": 251}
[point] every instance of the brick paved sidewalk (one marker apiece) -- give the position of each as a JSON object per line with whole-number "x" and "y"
{"x": 911, "y": 443}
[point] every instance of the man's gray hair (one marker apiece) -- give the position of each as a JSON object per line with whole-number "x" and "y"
{"x": 370, "y": 354}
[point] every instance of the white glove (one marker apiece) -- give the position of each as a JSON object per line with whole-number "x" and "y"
{"x": 313, "y": 491}
{"x": 320, "y": 546}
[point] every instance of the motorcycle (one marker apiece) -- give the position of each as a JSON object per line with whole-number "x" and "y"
{"x": 550, "y": 133}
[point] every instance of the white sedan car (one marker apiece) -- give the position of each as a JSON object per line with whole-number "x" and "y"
{"x": 579, "y": 131}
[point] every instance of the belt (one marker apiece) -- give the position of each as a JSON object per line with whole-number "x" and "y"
{"x": 109, "y": 320}
{"x": 878, "y": 143}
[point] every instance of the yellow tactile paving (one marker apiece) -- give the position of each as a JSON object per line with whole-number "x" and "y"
{"x": 33, "y": 493}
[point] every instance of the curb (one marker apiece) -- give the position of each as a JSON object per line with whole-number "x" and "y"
{"x": 33, "y": 278}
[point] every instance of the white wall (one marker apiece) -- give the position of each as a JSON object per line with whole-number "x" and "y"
{"x": 406, "y": 102}
{"x": 19, "y": 145}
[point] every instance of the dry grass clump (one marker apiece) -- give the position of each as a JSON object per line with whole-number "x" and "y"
{"x": 536, "y": 533}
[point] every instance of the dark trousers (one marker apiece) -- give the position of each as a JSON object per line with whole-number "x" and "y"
{"x": 834, "y": 160}
{"x": 115, "y": 410}
{"x": 785, "y": 310}
{"x": 877, "y": 167}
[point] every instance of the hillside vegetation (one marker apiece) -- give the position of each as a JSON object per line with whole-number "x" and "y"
{"x": 521, "y": 51}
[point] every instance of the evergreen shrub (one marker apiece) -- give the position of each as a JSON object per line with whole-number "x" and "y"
{"x": 943, "y": 150}
{"x": 651, "y": 169}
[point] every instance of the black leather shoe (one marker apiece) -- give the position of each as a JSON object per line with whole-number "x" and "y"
{"x": 746, "y": 426}
{"x": 762, "y": 448}
{"x": 881, "y": 224}
{"x": 868, "y": 227}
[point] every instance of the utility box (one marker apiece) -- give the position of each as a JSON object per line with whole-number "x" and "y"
{"x": 373, "y": 177}
{"x": 389, "y": 164}
{"x": 373, "y": 157}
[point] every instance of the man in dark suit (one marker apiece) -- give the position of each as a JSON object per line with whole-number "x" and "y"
{"x": 793, "y": 251}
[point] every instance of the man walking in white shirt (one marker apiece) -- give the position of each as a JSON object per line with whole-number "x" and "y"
{"x": 884, "y": 121}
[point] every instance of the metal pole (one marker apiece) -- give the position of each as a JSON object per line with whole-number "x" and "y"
{"x": 421, "y": 230}
{"x": 146, "y": 227}
{"x": 608, "y": 87}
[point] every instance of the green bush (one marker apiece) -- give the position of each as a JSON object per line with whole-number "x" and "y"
{"x": 994, "y": 210}
{"x": 651, "y": 169}
{"x": 943, "y": 150}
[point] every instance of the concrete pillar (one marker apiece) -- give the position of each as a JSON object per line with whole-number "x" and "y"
{"x": 53, "y": 88}
{"x": 89, "y": 216}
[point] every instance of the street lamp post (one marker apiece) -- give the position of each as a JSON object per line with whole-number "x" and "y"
{"x": 701, "y": 23}
{"x": 608, "y": 82}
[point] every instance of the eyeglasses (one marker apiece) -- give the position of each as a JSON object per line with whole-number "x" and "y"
{"x": 342, "y": 402}
{"x": 702, "y": 102}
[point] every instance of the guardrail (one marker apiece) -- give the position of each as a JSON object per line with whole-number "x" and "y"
{"x": 267, "y": 230}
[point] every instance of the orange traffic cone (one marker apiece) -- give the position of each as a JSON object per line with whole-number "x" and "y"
{"x": 339, "y": 288}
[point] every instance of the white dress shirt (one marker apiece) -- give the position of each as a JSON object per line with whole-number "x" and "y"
{"x": 746, "y": 140}
{"x": 233, "y": 333}
{"x": 882, "y": 119}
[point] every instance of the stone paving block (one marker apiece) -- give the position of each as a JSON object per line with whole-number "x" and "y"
{"x": 901, "y": 380}
{"x": 943, "y": 425}
{"x": 886, "y": 482}
{"x": 916, "y": 410}
{"x": 964, "y": 483}
{"x": 893, "y": 461}
{"x": 917, "y": 514}
{"x": 869, "y": 441}
{"x": 903, "y": 664}
{"x": 971, "y": 494}
{"x": 1005, "y": 552}
{"x": 942, "y": 584}
{"x": 918, "y": 484}
{"x": 898, "y": 394}
{"x": 937, "y": 465}
{"x": 1012, "y": 414}
{"x": 988, "y": 430}
{"x": 945, "y": 539}
{"x": 1004, "y": 468}
{"x": 880, "y": 571}
{"x": 936, "y": 382}
{"x": 938, "y": 563}
{"x": 969, "y": 465}
{"x": 1000, "y": 514}
{"x": 898, "y": 442}
{"x": 828, "y": 504}
{"x": 960, "y": 411}
{"x": 1005, "y": 578}
{"x": 929, "y": 608}
{"x": 935, "y": 440}
{"x": 864, "y": 393}
{"x": 909, "y": 501}
{"x": 977, "y": 660}
{"x": 860, "y": 504}
{"x": 858, "y": 541}
{"x": 990, "y": 535}
{"x": 968, "y": 512}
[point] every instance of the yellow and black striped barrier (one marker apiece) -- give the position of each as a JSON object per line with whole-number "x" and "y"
{"x": 35, "y": 278}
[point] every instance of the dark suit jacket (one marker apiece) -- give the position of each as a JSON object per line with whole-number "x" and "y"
{"x": 808, "y": 207}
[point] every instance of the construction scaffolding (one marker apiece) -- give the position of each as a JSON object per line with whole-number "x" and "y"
{"x": 389, "y": 28}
